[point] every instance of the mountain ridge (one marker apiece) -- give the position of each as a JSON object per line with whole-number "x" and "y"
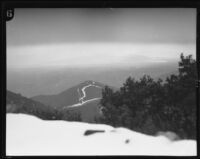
{"x": 80, "y": 93}
{"x": 16, "y": 103}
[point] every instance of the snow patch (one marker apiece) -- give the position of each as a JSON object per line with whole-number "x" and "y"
{"x": 29, "y": 135}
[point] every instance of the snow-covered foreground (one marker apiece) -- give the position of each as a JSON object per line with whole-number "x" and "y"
{"x": 28, "y": 135}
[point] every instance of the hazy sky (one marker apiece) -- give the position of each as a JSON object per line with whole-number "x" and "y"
{"x": 99, "y": 37}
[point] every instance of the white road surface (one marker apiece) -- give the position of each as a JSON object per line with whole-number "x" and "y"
{"x": 83, "y": 96}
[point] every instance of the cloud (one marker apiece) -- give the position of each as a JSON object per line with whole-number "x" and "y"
{"x": 94, "y": 54}
{"x": 55, "y": 26}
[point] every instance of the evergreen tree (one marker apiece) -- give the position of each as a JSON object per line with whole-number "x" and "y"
{"x": 150, "y": 106}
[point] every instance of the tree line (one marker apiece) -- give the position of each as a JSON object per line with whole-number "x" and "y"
{"x": 147, "y": 105}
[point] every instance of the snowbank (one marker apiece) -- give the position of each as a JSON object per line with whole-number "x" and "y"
{"x": 28, "y": 135}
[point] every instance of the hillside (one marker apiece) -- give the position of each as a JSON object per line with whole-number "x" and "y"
{"x": 15, "y": 103}
{"x": 88, "y": 111}
{"x": 77, "y": 94}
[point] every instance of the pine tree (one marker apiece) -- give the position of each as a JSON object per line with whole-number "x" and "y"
{"x": 150, "y": 106}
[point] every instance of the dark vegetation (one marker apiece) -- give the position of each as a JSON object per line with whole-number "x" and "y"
{"x": 71, "y": 115}
{"x": 150, "y": 106}
{"x": 15, "y": 103}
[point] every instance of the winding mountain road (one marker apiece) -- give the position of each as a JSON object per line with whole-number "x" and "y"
{"x": 82, "y": 96}
{"x": 84, "y": 93}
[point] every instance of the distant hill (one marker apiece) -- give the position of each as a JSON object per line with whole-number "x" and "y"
{"x": 73, "y": 95}
{"x": 82, "y": 99}
{"x": 15, "y": 103}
